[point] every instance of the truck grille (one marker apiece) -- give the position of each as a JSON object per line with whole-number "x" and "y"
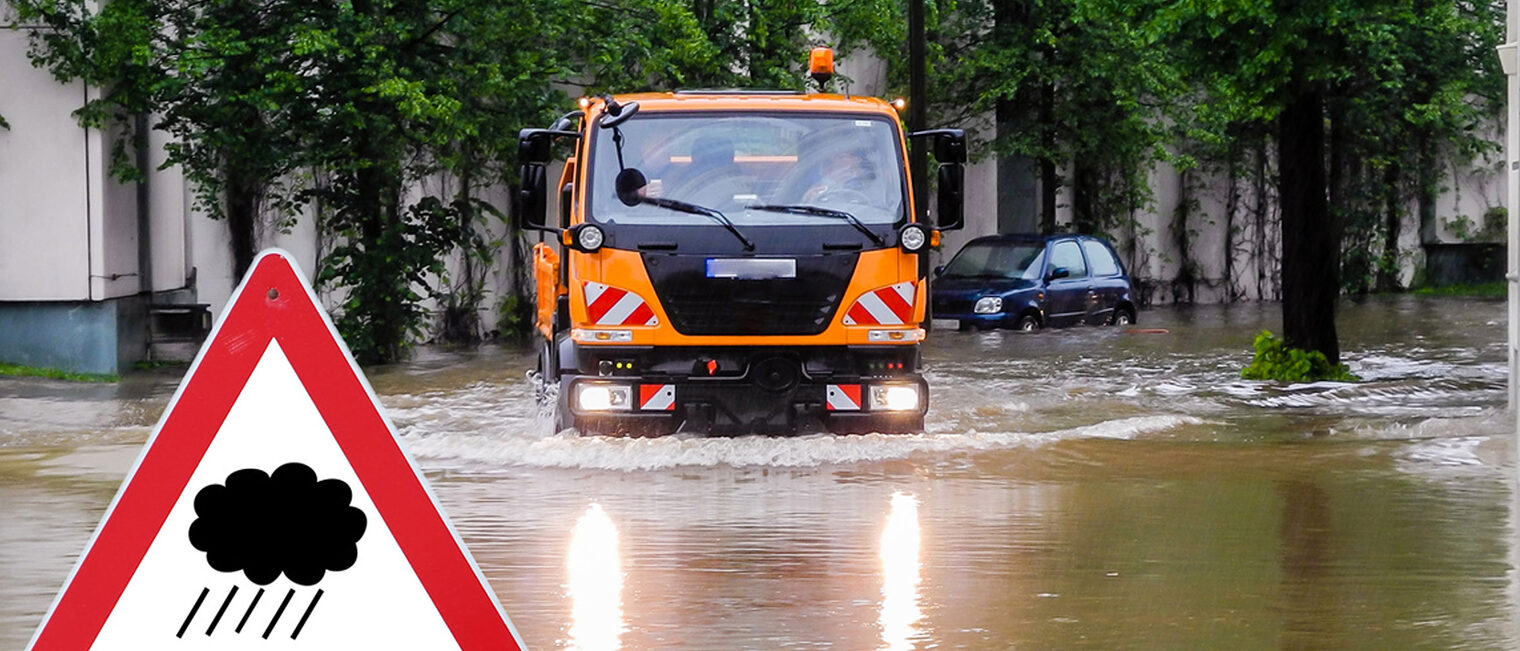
{"x": 698, "y": 305}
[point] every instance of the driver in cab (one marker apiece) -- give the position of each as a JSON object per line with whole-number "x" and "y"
{"x": 843, "y": 176}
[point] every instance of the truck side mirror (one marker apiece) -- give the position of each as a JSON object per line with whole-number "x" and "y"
{"x": 530, "y": 205}
{"x": 950, "y": 146}
{"x": 950, "y": 151}
{"x": 534, "y": 151}
{"x": 950, "y": 204}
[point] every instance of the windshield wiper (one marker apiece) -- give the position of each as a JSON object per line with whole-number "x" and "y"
{"x": 695, "y": 209}
{"x": 803, "y": 209}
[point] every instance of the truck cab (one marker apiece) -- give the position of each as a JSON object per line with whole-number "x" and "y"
{"x": 733, "y": 262}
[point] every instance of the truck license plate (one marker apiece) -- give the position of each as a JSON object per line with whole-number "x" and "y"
{"x": 751, "y": 268}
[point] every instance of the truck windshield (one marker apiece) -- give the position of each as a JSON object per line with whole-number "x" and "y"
{"x": 727, "y": 162}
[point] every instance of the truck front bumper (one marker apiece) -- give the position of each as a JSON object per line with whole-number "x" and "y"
{"x": 749, "y": 392}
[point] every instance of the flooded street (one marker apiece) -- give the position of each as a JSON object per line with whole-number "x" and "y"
{"x": 1086, "y": 488}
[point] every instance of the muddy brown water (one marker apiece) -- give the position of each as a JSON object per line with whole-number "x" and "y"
{"x": 1087, "y": 488}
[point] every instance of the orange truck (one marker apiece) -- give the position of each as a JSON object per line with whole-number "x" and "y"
{"x": 734, "y": 262}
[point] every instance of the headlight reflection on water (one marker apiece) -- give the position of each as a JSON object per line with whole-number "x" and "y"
{"x": 900, "y": 575}
{"x": 596, "y": 583}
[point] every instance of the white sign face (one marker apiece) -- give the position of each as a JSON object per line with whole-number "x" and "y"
{"x": 274, "y": 508}
{"x": 273, "y": 423}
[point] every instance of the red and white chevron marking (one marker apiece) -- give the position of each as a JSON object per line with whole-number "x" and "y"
{"x": 610, "y": 306}
{"x": 842, "y": 397}
{"x": 657, "y": 397}
{"x": 890, "y": 305}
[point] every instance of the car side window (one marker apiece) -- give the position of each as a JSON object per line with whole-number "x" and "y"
{"x": 1069, "y": 255}
{"x": 1102, "y": 261}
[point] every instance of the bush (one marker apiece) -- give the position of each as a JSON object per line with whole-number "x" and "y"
{"x": 1275, "y": 360}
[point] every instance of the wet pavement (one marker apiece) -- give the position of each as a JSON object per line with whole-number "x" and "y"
{"x": 1082, "y": 488}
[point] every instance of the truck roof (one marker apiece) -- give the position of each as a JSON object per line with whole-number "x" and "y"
{"x": 718, "y": 100}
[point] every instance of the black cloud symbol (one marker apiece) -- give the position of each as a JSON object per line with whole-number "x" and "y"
{"x": 288, "y": 522}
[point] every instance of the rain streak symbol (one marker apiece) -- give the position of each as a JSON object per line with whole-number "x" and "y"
{"x": 265, "y": 525}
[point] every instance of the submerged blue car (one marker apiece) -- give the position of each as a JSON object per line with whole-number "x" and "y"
{"x": 1030, "y": 282}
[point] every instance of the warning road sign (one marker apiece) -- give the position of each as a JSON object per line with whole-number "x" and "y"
{"x": 273, "y": 507}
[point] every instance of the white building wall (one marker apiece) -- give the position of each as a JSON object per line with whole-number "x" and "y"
{"x": 44, "y": 182}
{"x": 113, "y": 223}
{"x": 68, "y": 230}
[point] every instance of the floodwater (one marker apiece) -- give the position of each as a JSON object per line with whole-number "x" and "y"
{"x": 1087, "y": 488}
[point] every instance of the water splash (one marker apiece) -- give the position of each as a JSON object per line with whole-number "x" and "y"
{"x": 609, "y": 453}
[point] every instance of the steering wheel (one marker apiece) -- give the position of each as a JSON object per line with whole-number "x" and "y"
{"x": 843, "y": 195}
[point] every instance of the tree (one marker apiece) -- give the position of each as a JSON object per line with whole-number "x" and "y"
{"x": 220, "y": 76}
{"x": 1345, "y": 65}
{"x": 281, "y": 105}
{"x": 1071, "y": 83}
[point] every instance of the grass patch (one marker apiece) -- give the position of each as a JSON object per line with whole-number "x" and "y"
{"x": 1482, "y": 290}
{"x": 17, "y": 370}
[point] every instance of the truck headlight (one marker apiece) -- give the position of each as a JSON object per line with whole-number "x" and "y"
{"x": 914, "y": 334}
{"x": 591, "y": 336}
{"x": 894, "y": 397}
{"x": 988, "y": 305}
{"x": 913, "y": 237}
{"x": 603, "y": 397}
{"x": 587, "y": 237}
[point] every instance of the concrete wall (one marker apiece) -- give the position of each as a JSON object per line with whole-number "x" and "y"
{"x": 72, "y": 239}
{"x": 100, "y": 337}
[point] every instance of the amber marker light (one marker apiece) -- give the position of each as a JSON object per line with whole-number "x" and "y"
{"x": 821, "y": 64}
{"x": 585, "y": 102}
{"x": 899, "y": 104}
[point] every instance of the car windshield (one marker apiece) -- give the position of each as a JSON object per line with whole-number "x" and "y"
{"x": 738, "y": 164}
{"x": 997, "y": 260}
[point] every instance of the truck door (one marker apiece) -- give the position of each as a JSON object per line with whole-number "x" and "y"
{"x": 1069, "y": 285}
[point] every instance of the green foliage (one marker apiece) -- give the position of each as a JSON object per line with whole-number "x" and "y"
{"x": 388, "y": 118}
{"x": 18, "y": 370}
{"x": 1492, "y": 229}
{"x": 1483, "y": 290}
{"x": 1070, "y": 83}
{"x": 1275, "y": 360}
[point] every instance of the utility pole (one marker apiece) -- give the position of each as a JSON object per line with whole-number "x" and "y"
{"x": 918, "y": 117}
{"x": 918, "y": 97}
{"x": 1507, "y": 57}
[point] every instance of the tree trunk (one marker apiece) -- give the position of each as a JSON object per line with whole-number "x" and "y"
{"x": 1259, "y": 186}
{"x": 242, "y": 214}
{"x": 1426, "y": 178}
{"x": 1388, "y": 266}
{"x": 1048, "y": 182}
{"x": 1310, "y": 247}
{"x": 1084, "y": 185}
{"x": 1185, "y": 283}
{"x": 1231, "y": 206}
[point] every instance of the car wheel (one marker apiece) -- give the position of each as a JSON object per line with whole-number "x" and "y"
{"x": 1122, "y": 317}
{"x": 1028, "y": 323}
